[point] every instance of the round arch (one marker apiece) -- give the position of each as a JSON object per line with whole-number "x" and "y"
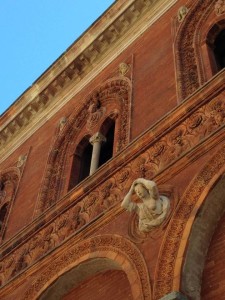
{"x": 96, "y": 254}
{"x": 113, "y": 96}
{"x": 172, "y": 256}
{"x": 200, "y": 237}
{"x": 187, "y": 57}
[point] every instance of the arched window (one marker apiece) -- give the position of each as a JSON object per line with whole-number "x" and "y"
{"x": 213, "y": 60}
{"x": 88, "y": 156}
{"x": 111, "y": 100}
{"x": 108, "y": 130}
{"x": 219, "y": 50}
{"x": 8, "y": 186}
{"x": 81, "y": 162}
{"x": 3, "y": 213}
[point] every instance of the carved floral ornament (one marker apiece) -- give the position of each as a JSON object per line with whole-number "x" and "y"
{"x": 182, "y": 12}
{"x": 220, "y": 7}
{"x": 123, "y": 68}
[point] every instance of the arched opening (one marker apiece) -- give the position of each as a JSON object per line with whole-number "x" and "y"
{"x": 94, "y": 279}
{"x": 81, "y": 162}
{"x": 219, "y": 50}
{"x": 114, "y": 96}
{"x": 215, "y": 42}
{"x": 108, "y": 130}
{"x": 93, "y": 256}
{"x": 200, "y": 240}
{"x": 3, "y": 213}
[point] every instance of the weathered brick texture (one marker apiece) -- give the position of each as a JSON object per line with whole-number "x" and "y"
{"x": 110, "y": 285}
{"x": 213, "y": 286}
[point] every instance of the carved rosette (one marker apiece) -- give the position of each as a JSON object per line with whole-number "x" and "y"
{"x": 220, "y": 7}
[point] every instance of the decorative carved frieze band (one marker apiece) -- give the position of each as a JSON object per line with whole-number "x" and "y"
{"x": 93, "y": 203}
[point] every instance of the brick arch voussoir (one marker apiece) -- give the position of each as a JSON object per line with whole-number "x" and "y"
{"x": 172, "y": 252}
{"x": 113, "y": 247}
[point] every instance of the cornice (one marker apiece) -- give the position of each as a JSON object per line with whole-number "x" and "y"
{"x": 89, "y": 55}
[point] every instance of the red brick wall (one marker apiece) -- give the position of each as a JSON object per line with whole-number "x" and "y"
{"x": 213, "y": 285}
{"x": 110, "y": 285}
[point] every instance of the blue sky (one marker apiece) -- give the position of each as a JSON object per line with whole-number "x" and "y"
{"x": 34, "y": 33}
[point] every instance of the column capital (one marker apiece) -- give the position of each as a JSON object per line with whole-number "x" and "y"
{"x": 97, "y": 138}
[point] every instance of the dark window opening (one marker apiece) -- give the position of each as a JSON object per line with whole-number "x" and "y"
{"x": 81, "y": 163}
{"x": 2, "y": 185}
{"x": 219, "y": 50}
{"x": 107, "y": 147}
{"x": 3, "y": 213}
{"x": 85, "y": 163}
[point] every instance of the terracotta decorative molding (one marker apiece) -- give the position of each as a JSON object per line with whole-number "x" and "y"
{"x": 123, "y": 69}
{"x": 124, "y": 253}
{"x": 182, "y": 12}
{"x": 220, "y": 7}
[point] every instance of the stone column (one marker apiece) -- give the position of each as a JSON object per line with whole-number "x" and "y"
{"x": 96, "y": 140}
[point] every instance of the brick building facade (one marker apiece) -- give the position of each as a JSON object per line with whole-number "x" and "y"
{"x": 139, "y": 95}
